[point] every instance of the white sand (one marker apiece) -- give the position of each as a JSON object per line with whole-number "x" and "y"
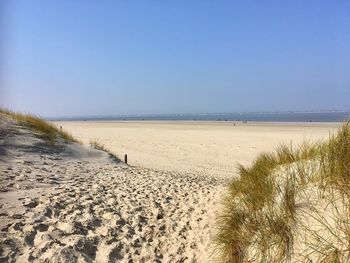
{"x": 73, "y": 204}
{"x": 212, "y": 148}
{"x": 69, "y": 203}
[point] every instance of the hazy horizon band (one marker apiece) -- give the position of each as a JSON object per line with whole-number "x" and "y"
{"x": 268, "y": 117}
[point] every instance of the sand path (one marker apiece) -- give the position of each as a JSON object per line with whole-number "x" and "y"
{"x": 109, "y": 213}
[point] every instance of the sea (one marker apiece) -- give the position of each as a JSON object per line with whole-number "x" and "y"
{"x": 329, "y": 116}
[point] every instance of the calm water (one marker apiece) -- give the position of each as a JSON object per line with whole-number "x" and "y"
{"x": 273, "y": 117}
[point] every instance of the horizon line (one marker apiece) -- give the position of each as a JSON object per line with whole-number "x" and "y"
{"x": 100, "y": 116}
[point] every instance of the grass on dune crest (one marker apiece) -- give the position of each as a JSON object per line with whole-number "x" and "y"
{"x": 99, "y": 146}
{"x": 47, "y": 130}
{"x": 291, "y": 205}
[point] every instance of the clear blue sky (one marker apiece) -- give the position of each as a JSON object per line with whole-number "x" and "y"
{"x": 130, "y": 57}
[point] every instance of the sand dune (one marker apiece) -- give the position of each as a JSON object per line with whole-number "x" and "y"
{"x": 73, "y": 204}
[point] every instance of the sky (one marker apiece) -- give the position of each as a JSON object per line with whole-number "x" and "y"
{"x": 85, "y": 58}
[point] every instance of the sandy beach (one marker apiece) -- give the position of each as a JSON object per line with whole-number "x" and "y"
{"x": 74, "y": 204}
{"x": 211, "y": 148}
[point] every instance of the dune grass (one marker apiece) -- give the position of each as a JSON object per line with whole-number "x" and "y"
{"x": 99, "y": 146}
{"x": 49, "y": 131}
{"x": 291, "y": 205}
{"x": 45, "y": 129}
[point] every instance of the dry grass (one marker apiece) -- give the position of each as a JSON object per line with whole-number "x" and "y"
{"x": 99, "y": 146}
{"x": 335, "y": 160}
{"x": 291, "y": 205}
{"x": 46, "y": 130}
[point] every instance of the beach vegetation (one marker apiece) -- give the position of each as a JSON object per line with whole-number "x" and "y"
{"x": 290, "y": 205}
{"x": 101, "y": 147}
{"x": 44, "y": 129}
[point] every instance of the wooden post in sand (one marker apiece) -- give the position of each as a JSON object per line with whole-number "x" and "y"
{"x": 61, "y": 128}
{"x": 125, "y": 158}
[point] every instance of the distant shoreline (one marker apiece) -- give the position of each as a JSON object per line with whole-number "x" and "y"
{"x": 223, "y": 117}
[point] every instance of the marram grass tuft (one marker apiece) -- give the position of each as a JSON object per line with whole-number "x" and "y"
{"x": 291, "y": 205}
{"x": 46, "y": 130}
